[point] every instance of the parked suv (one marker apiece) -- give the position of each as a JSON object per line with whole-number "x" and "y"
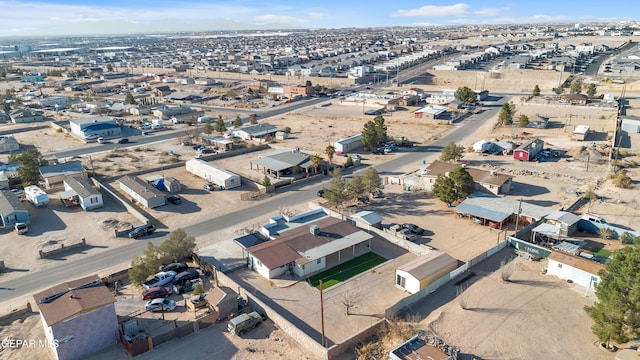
{"x": 141, "y": 231}
{"x": 185, "y": 276}
{"x": 21, "y": 228}
{"x": 413, "y": 228}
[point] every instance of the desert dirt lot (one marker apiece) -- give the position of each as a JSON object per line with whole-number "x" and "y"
{"x": 532, "y": 316}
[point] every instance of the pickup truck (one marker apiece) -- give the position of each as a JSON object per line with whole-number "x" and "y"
{"x": 240, "y": 324}
{"x": 160, "y": 279}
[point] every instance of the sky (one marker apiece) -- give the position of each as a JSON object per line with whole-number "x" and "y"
{"x": 49, "y": 17}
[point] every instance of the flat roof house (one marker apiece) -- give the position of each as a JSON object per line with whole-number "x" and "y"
{"x": 142, "y": 192}
{"x": 53, "y": 175}
{"x": 575, "y": 268}
{"x": 88, "y": 196}
{"x": 79, "y": 316}
{"x": 105, "y": 127}
{"x": 12, "y": 210}
{"x": 311, "y": 247}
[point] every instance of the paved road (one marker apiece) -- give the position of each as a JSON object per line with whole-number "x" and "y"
{"x": 289, "y": 196}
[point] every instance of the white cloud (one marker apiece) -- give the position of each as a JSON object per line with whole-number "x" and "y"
{"x": 488, "y": 12}
{"x": 434, "y": 11}
{"x": 318, "y": 15}
{"x": 277, "y": 18}
{"x": 534, "y": 19}
{"x": 34, "y": 15}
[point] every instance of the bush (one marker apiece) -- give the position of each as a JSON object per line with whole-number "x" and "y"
{"x": 622, "y": 180}
{"x": 198, "y": 289}
{"x": 626, "y": 238}
{"x": 606, "y": 233}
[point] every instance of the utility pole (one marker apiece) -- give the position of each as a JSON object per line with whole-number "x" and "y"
{"x": 518, "y": 218}
{"x": 322, "y": 316}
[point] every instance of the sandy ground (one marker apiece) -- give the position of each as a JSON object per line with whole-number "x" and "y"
{"x": 532, "y": 316}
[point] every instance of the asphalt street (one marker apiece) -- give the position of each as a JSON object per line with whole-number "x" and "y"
{"x": 290, "y": 196}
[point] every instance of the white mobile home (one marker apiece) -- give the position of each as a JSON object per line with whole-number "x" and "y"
{"x": 142, "y": 192}
{"x": 88, "y": 196}
{"x": 575, "y": 268}
{"x": 214, "y": 174}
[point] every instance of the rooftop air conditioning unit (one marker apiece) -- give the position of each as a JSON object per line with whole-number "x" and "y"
{"x": 315, "y": 230}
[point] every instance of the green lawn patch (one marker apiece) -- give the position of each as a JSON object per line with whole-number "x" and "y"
{"x": 346, "y": 270}
{"x": 602, "y": 252}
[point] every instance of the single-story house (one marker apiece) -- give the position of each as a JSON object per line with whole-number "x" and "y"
{"x": 484, "y": 180}
{"x": 348, "y": 145}
{"x": 430, "y": 112}
{"x": 309, "y": 248}
{"x": 98, "y": 125}
{"x": 53, "y": 175}
{"x": 8, "y": 144}
{"x": 224, "y": 178}
{"x": 283, "y": 162}
{"x": 368, "y": 218}
{"x": 224, "y": 301}
{"x": 12, "y": 210}
{"x": 529, "y": 150}
{"x": 79, "y": 317}
{"x": 579, "y": 99}
{"x": 218, "y": 141}
{"x": 25, "y": 115}
{"x": 419, "y": 273}
{"x": 575, "y": 268}
{"x": 256, "y": 131}
{"x": 142, "y": 192}
{"x": 631, "y": 124}
{"x": 88, "y": 196}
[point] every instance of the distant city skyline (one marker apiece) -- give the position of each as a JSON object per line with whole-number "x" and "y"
{"x": 74, "y": 17}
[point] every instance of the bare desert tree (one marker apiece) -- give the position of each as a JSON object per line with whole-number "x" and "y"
{"x": 350, "y": 299}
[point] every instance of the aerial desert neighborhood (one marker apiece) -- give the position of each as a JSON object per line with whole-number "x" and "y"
{"x": 319, "y": 181}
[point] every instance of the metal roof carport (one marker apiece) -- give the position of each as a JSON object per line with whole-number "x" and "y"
{"x": 481, "y": 212}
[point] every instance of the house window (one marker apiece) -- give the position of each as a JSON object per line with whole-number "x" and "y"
{"x": 319, "y": 261}
{"x": 94, "y": 200}
{"x": 400, "y": 281}
{"x": 560, "y": 266}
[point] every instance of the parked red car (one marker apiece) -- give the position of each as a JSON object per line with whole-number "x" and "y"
{"x": 156, "y": 292}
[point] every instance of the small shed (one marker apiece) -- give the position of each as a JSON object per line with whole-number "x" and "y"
{"x": 419, "y": 273}
{"x": 172, "y": 185}
{"x": 368, "y": 218}
{"x": 223, "y": 300}
{"x": 581, "y": 132}
{"x": 565, "y": 221}
{"x": 631, "y": 124}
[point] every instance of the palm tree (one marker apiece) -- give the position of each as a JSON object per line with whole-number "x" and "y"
{"x": 315, "y": 162}
{"x": 330, "y": 151}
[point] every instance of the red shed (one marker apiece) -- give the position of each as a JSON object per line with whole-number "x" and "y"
{"x": 528, "y": 150}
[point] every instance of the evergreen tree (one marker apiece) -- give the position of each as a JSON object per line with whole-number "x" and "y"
{"x": 452, "y": 152}
{"x": 371, "y": 179}
{"x": 536, "y": 90}
{"x": 336, "y": 194}
{"x": 591, "y": 90}
{"x": 129, "y": 99}
{"x": 616, "y": 315}
{"x": 237, "y": 122}
{"x": 457, "y": 185}
{"x": 505, "y": 116}
{"x": 466, "y": 95}
{"x": 523, "y": 121}
{"x": 30, "y": 161}
{"x": 220, "y": 127}
{"x": 252, "y": 119}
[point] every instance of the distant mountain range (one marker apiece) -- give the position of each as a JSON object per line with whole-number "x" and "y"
{"x": 161, "y": 26}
